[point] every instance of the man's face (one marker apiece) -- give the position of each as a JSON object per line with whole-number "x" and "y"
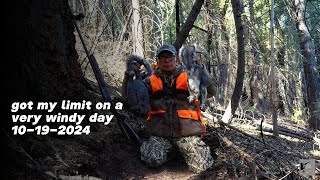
{"x": 167, "y": 61}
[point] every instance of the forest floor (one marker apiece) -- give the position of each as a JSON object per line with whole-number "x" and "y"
{"x": 106, "y": 154}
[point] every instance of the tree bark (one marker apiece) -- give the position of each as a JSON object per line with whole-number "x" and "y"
{"x": 273, "y": 84}
{"x": 237, "y": 7}
{"x": 184, "y": 33}
{"x": 126, "y": 12}
{"x": 137, "y": 38}
{"x": 309, "y": 66}
{"x": 210, "y": 28}
{"x": 226, "y": 67}
{"x": 45, "y": 62}
{"x": 177, "y": 18}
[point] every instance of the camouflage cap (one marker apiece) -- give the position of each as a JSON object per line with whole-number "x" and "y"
{"x": 166, "y": 47}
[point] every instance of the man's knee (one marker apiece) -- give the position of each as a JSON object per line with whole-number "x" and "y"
{"x": 196, "y": 153}
{"x": 154, "y": 151}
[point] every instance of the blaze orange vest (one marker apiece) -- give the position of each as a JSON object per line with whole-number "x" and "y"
{"x": 181, "y": 83}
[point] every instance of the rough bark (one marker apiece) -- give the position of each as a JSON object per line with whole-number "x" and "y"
{"x": 309, "y": 66}
{"x": 46, "y": 66}
{"x": 184, "y": 33}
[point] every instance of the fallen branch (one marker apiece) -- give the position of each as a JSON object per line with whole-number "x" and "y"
{"x": 250, "y": 161}
{"x": 214, "y": 119}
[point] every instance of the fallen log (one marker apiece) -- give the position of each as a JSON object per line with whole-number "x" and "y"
{"x": 245, "y": 115}
{"x": 294, "y": 135}
{"x": 266, "y": 128}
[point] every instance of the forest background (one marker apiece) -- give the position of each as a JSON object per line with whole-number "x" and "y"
{"x": 263, "y": 55}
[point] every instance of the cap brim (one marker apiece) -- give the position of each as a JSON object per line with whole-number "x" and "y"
{"x": 169, "y": 50}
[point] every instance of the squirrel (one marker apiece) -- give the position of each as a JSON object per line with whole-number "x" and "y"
{"x": 137, "y": 92}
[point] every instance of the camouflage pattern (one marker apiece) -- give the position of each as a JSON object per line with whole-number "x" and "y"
{"x": 196, "y": 153}
{"x": 154, "y": 152}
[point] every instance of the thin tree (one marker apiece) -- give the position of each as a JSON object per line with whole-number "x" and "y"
{"x": 273, "y": 84}
{"x": 177, "y": 7}
{"x": 237, "y": 8}
{"x": 184, "y": 32}
{"x": 136, "y": 29}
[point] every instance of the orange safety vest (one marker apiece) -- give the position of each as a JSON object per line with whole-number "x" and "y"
{"x": 181, "y": 83}
{"x": 154, "y": 65}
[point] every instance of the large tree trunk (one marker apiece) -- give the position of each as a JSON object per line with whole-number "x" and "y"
{"x": 309, "y": 66}
{"x": 237, "y": 7}
{"x": 44, "y": 69}
{"x": 184, "y": 33}
{"x": 46, "y": 66}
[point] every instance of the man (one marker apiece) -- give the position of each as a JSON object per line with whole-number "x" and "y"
{"x": 173, "y": 122}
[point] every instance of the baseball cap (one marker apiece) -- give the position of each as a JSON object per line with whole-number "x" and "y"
{"x": 166, "y": 47}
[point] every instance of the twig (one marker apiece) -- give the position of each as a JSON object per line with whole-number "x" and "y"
{"x": 286, "y": 175}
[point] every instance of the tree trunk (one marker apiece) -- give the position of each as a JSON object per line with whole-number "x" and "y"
{"x": 273, "y": 84}
{"x": 137, "y": 38}
{"x": 157, "y": 36}
{"x": 237, "y": 7}
{"x": 256, "y": 84}
{"x": 309, "y": 66}
{"x": 45, "y": 60}
{"x": 184, "y": 33}
{"x": 223, "y": 68}
{"x": 45, "y": 68}
{"x": 210, "y": 28}
{"x": 177, "y": 18}
{"x": 126, "y": 6}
